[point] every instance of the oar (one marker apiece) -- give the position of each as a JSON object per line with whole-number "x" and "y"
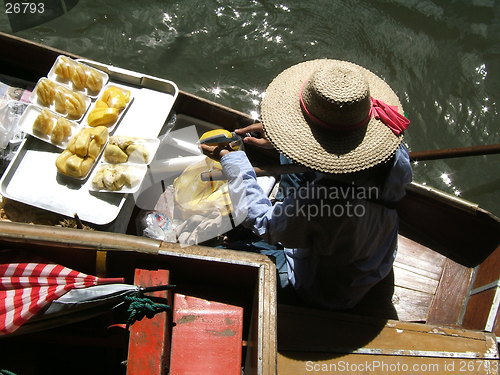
{"x": 275, "y": 170}
{"x": 455, "y": 152}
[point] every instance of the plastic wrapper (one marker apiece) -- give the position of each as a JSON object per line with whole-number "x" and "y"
{"x": 194, "y": 196}
{"x": 10, "y": 112}
{"x": 10, "y": 135}
{"x": 156, "y": 225}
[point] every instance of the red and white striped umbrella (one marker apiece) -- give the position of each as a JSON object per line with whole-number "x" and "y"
{"x": 26, "y": 287}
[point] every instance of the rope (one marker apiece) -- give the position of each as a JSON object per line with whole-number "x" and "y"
{"x": 141, "y": 307}
{"x": 6, "y": 372}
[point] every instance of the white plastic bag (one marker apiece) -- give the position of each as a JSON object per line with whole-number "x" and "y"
{"x": 194, "y": 196}
{"x": 10, "y": 113}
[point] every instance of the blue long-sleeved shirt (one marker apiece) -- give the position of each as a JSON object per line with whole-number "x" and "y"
{"x": 339, "y": 239}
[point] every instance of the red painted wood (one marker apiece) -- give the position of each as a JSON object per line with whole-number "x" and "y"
{"x": 149, "y": 341}
{"x": 206, "y": 337}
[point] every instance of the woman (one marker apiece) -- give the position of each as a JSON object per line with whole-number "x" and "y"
{"x": 337, "y": 224}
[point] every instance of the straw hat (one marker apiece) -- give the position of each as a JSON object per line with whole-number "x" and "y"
{"x": 320, "y": 113}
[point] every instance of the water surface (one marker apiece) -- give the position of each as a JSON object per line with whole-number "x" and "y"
{"x": 442, "y": 57}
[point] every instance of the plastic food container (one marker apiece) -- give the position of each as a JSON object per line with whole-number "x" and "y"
{"x": 117, "y": 178}
{"x": 130, "y": 150}
{"x": 87, "y": 120}
{"x": 94, "y": 161}
{"x": 29, "y": 117}
{"x": 64, "y": 70}
{"x": 58, "y": 98}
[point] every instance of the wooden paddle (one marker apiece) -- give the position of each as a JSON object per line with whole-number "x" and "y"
{"x": 275, "y": 170}
{"x": 455, "y": 152}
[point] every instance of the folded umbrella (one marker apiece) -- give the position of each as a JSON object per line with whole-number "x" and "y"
{"x": 28, "y": 285}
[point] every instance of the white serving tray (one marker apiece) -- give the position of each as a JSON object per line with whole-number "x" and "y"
{"x": 32, "y": 176}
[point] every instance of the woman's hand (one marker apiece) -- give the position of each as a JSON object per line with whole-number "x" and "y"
{"x": 260, "y": 141}
{"x": 216, "y": 152}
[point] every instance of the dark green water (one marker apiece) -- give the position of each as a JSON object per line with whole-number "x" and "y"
{"x": 441, "y": 56}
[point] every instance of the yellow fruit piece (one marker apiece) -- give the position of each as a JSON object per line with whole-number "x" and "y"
{"x": 60, "y": 131}
{"x": 94, "y": 149}
{"x": 60, "y": 101}
{"x": 87, "y": 163}
{"x": 118, "y": 102}
{"x": 43, "y": 123}
{"x": 101, "y": 104}
{"x": 65, "y": 125}
{"x": 46, "y": 92}
{"x": 79, "y": 77}
{"x": 94, "y": 81}
{"x": 114, "y": 154}
{"x": 121, "y": 141}
{"x": 61, "y": 161}
{"x": 100, "y": 134}
{"x": 137, "y": 153}
{"x": 116, "y": 97}
{"x": 64, "y": 68}
{"x": 75, "y": 104}
{"x": 74, "y": 166}
{"x": 103, "y": 116}
{"x": 82, "y": 143}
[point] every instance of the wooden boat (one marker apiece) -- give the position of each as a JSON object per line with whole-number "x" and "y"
{"x": 447, "y": 292}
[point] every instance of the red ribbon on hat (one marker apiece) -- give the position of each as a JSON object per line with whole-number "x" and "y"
{"x": 384, "y": 112}
{"x": 389, "y": 115}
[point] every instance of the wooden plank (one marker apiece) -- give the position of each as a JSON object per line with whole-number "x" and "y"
{"x": 451, "y": 294}
{"x": 478, "y": 309}
{"x": 488, "y": 271}
{"x": 409, "y": 279}
{"x": 496, "y": 326}
{"x": 417, "y": 271}
{"x": 206, "y": 337}
{"x": 455, "y": 228}
{"x": 149, "y": 342}
{"x": 309, "y": 330}
{"x": 420, "y": 257}
{"x": 411, "y": 305}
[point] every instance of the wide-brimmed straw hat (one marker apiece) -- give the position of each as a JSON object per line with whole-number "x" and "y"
{"x": 333, "y": 116}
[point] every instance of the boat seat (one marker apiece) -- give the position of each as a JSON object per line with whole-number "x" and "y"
{"x": 149, "y": 340}
{"x": 206, "y": 337}
{"x": 434, "y": 289}
{"x": 429, "y": 287}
